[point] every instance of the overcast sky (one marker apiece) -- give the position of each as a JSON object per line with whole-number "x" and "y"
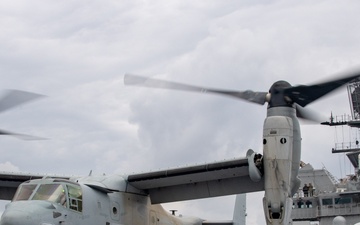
{"x": 76, "y": 53}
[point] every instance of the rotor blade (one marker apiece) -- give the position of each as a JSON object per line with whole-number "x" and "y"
{"x": 251, "y": 96}
{"x": 304, "y": 94}
{"x": 309, "y": 115}
{"x": 21, "y": 136}
{"x": 14, "y": 98}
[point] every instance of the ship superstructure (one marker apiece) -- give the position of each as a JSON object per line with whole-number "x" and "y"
{"x": 321, "y": 197}
{"x": 326, "y": 199}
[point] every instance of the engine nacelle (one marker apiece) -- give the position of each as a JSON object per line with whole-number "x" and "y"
{"x": 277, "y": 161}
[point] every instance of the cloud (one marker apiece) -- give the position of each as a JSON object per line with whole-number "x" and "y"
{"x": 8, "y": 166}
{"x": 77, "y": 52}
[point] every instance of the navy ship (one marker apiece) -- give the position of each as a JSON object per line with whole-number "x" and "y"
{"x": 322, "y": 199}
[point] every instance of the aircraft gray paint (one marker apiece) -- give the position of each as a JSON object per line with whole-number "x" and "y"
{"x": 134, "y": 199}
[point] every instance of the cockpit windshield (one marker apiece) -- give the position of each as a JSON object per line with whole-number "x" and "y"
{"x": 24, "y": 192}
{"x": 66, "y": 194}
{"x": 50, "y": 192}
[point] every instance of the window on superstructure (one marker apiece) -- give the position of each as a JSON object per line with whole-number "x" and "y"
{"x": 356, "y": 199}
{"x": 342, "y": 200}
{"x": 327, "y": 201}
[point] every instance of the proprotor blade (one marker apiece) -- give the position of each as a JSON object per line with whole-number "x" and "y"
{"x": 14, "y": 98}
{"x": 305, "y": 94}
{"x": 251, "y": 96}
{"x": 309, "y": 115}
{"x": 22, "y": 136}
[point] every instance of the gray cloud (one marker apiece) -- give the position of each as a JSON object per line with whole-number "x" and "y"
{"x": 77, "y": 52}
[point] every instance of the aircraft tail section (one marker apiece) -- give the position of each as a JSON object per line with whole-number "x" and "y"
{"x": 239, "y": 217}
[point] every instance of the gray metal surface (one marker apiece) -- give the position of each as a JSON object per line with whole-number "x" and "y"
{"x": 199, "y": 181}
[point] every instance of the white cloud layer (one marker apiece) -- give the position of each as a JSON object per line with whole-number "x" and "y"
{"x": 76, "y": 53}
{"x": 8, "y": 166}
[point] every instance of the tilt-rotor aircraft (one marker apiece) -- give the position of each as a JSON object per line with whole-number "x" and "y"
{"x": 135, "y": 199}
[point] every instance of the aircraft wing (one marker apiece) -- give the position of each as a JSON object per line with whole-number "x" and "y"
{"x": 9, "y": 181}
{"x": 199, "y": 181}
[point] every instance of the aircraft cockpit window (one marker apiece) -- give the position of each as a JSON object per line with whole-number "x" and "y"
{"x": 51, "y": 192}
{"x": 67, "y": 195}
{"x": 24, "y": 192}
{"x": 75, "y": 197}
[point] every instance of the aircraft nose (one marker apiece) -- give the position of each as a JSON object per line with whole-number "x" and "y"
{"x": 16, "y": 218}
{"x": 29, "y": 213}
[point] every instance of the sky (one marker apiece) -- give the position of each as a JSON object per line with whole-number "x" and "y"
{"x": 77, "y": 52}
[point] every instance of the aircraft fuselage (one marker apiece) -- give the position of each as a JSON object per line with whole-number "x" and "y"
{"x": 54, "y": 202}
